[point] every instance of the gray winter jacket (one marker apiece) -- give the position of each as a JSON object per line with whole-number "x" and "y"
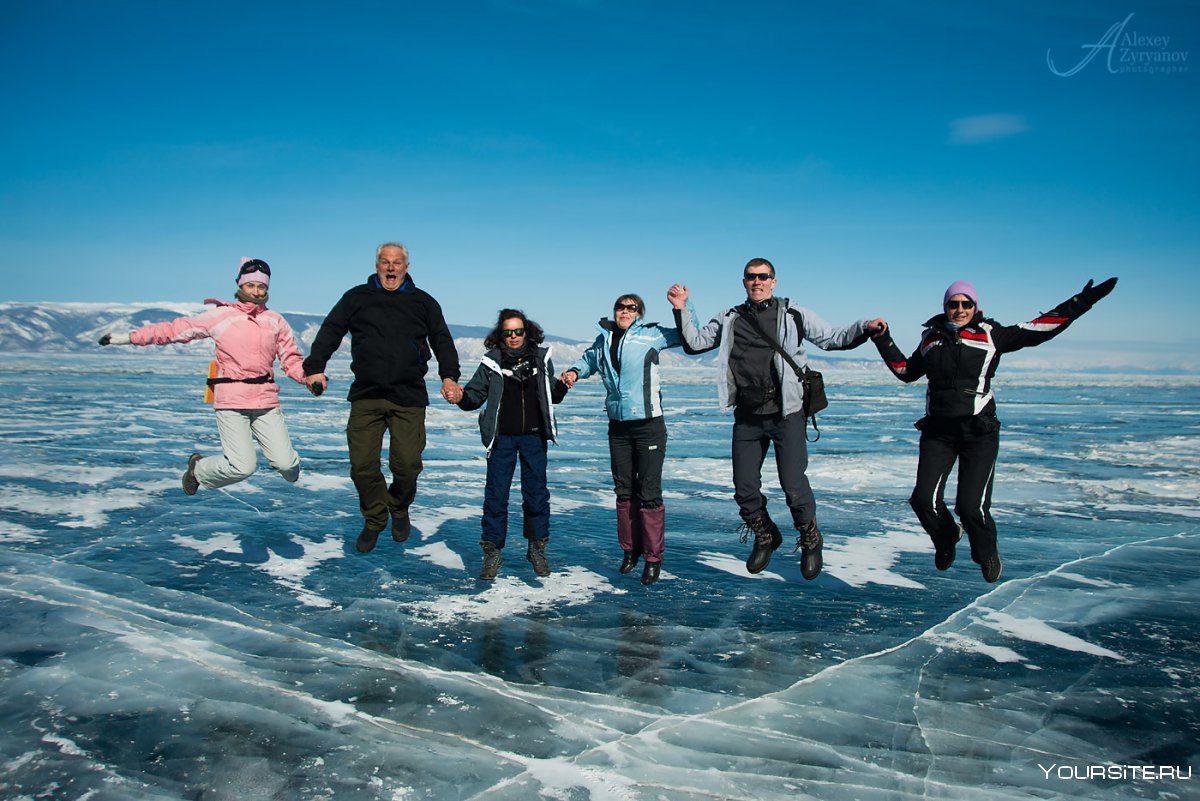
{"x": 796, "y": 324}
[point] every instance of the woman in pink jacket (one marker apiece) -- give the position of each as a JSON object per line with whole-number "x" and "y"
{"x": 248, "y": 338}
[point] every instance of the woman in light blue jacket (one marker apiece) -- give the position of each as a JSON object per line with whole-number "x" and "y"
{"x": 625, "y": 354}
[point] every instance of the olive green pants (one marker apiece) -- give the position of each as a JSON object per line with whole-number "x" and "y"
{"x": 369, "y": 419}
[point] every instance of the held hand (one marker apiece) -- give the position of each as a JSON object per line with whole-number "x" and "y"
{"x": 569, "y": 377}
{"x": 316, "y": 383}
{"x": 678, "y": 295}
{"x": 451, "y": 390}
{"x": 1093, "y": 294}
{"x": 877, "y": 328}
{"x": 115, "y": 339}
{"x": 106, "y": 339}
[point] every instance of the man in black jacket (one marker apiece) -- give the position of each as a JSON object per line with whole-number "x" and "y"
{"x": 392, "y": 325}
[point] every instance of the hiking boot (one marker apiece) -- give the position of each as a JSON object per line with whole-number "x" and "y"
{"x": 537, "y": 557}
{"x": 366, "y": 540}
{"x": 766, "y": 539}
{"x": 809, "y": 545}
{"x": 650, "y": 573}
{"x": 401, "y": 525}
{"x": 629, "y": 561}
{"x": 992, "y": 567}
{"x": 491, "y": 561}
{"x": 190, "y": 482}
{"x": 944, "y": 557}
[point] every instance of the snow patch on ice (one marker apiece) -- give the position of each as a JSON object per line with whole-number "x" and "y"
{"x": 734, "y": 565}
{"x": 315, "y": 482}
{"x": 15, "y": 532}
{"x": 860, "y": 561}
{"x": 88, "y": 510}
{"x": 510, "y": 596}
{"x": 225, "y": 541}
{"x": 440, "y": 554}
{"x": 428, "y": 521}
{"x": 60, "y": 474}
{"x": 960, "y": 642}
{"x": 1039, "y": 631}
{"x": 291, "y": 572}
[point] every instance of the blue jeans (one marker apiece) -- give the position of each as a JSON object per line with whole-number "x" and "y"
{"x": 530, "y": 449}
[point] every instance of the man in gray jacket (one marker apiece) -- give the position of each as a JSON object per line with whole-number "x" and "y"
{"x": 767, "y": 399}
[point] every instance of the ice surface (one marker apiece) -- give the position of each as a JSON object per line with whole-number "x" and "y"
{"x": 234, "y": 645}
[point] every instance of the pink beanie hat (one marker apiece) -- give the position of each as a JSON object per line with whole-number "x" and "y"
{"x": 961, "y": 288}
{"x": 254, "y": 270}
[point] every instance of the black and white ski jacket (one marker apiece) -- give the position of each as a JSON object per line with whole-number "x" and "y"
{"x": 960, "y": 364}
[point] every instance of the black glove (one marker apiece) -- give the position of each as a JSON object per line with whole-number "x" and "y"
{"x": 317, "y": 388}
{"x": 106, "y": 339}
{"x": 1092, "y": 294}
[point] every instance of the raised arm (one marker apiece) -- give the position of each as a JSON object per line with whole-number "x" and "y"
{"x": 693, "y": 337}
{"x": 1046, "y": 326}
{"x": 181, "y": 329}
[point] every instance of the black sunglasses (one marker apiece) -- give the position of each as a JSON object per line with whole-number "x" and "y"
{"x": 960, "y": 304}
{"x": 757, "y": 277}
{"x": 513, "y": 332}
{"x": 625, "y": 307}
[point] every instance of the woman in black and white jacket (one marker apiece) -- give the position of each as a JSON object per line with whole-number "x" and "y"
{"x": 516, "y": 381}
{"x": 959, "y": 352}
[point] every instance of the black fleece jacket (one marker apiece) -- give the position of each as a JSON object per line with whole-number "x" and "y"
{"x": 391, "y": 337}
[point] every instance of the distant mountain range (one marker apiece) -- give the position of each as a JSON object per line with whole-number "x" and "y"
{"x": 76, "y": 327}
{"x": 48, "y": 327}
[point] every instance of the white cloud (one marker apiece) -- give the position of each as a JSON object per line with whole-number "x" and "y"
{"x": 986, "y": 128}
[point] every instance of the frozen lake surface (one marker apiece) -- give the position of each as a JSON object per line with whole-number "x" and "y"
{"x": 233, "y": 645}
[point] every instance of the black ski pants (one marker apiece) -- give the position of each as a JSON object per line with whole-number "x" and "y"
{"x": 637, "y": 449}
{"x": 974, "y": 443}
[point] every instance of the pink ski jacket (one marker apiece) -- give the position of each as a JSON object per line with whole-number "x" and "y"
{"x": 248, "y": 337}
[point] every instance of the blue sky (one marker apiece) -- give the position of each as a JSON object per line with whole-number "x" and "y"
{"x": 553, "y": 154}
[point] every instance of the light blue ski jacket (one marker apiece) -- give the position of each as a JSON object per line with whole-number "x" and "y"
{"x": 634, "y": 393}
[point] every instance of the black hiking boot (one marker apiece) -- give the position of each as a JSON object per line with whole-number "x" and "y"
{"x": 991, "y": 568}
{"x": 401, "y": 525}
{"x": 537, "y": 557}
{"x": 366, "y": 540}
{"x": 650, "y": 573}
{"x": 629, "y": 561}
{"x": 943, "y": 557}
{"x": 190, "y": 483}
{"x": 809, "y": 545}
{"x": 491, "y": 561}
{"x": 766, "y": 539}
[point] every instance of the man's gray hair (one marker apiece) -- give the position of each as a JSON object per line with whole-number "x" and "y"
{"x": 379, "y": 250}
